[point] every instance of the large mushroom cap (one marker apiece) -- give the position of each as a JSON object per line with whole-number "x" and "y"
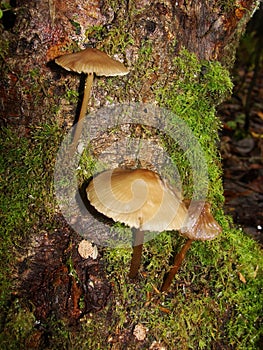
{"x": 138, "y": 198}
{"x": 205, "y": 227}
{"x": 92, "y": 61}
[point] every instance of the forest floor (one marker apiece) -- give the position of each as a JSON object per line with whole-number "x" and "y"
{"x": 242, "y": 151}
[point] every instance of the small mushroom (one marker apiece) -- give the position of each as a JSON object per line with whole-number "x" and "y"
{"x": 202, "y": 228}
{"x": 89, "y": 61}
{"x": 140, "y": 199}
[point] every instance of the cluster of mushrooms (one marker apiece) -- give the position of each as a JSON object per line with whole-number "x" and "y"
{"x": 139, "y": 198}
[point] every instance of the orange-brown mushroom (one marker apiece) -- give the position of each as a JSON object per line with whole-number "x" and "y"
{"x": 140, "y": 199}
{"x": 202, "y": 228}
{"x": 89, "y": 61}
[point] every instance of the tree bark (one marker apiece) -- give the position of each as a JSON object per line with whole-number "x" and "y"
{"x": 33, "y": 33}
{"x": 147, "y": 36}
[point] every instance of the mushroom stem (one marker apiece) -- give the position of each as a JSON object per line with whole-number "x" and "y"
{"x": 83, "y": 110}
{"x": 137, "y": 253}
{"x": 177, "y": 263}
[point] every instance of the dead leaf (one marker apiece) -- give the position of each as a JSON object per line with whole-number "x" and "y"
{"x": 260, "y": 115}
{"x": 257, "y": 136}
{"x": 255, "y": 272}
{"x": 241, "y": 277}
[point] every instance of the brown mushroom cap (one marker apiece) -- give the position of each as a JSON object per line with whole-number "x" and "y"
{"x": 92, "y": 61}
{"x": 138, "y": 198}
{"x": 205, "y": 227}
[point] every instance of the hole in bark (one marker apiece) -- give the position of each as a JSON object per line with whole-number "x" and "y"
{"x": 150, "y": 26}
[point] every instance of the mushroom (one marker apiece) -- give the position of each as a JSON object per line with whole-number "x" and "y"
{"x": 202, "y": 228}
{"x": 89, "y": 61}
{"x": 140, "y": 199}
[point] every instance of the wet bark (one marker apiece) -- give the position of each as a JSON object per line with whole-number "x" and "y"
{"x": 34, "y": 90}
{"x": 33, "y": 33}
{"x": 58, "y": 282}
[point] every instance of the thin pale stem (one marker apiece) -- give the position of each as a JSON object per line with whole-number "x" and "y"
{"x": 177, "y": 263}
{"x": 83, "y": 111}
{"x": 136, "y": 253}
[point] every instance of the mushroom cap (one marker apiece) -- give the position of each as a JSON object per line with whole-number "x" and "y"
{"x": 138, "y": 198}
{"x": 92, "y": 61}
{"x": 205, "y": 227}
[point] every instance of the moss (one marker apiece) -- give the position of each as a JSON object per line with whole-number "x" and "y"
{"x": 199, "y": 86}
{"x": 113, "y": 39}
{"x": 210, "y": 304}
{"x": 216, "y": 298}
{"x": 228, "y": 5}
{"x": 19, "y": 324}
{"x": 26, "y": 194}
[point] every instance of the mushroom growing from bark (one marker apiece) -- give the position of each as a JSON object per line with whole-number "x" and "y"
{"x": 89, "y": 61}
{"x": 202, "y": 228}
{"x": 140, "y": 199}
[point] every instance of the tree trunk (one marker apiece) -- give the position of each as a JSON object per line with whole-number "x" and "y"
{"x": 149, "y": 37}
{"x": 146, "y": 36}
